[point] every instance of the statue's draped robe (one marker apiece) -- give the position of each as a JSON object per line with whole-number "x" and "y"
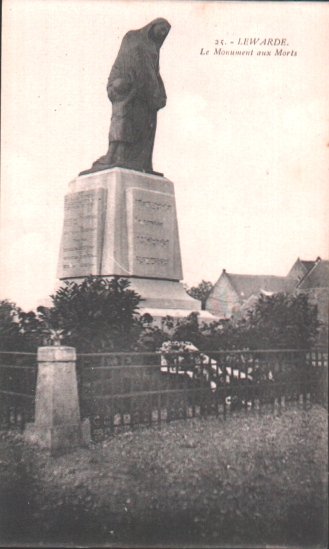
{"x": 138, "y": 63}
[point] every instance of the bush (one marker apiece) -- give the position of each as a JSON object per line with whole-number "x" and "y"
{"x": 279, "y": 321}
{"x": 94, "y": 316}
{"x": 98, "y": 315}
{"x": 283, "y": 321}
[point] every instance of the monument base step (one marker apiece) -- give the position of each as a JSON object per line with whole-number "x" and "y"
{"x": 159, "y": 314}
{"x": 163, "y": 294}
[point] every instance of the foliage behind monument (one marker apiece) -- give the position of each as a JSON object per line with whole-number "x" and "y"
{"x": 96, "y": 315}
{"x": 279, "y": 321}
{"x": 99, "y": 315}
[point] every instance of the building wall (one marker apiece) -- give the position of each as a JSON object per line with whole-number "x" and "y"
{"x": 298, "y": 270}
{"x": 223, "y": 300}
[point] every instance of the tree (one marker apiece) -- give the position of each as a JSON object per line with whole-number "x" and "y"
{"x": 19, "y": 331}
{"x": 188, "y": 329}
{"x": 201, "y": 292}
{"x": 99, "y": 315}
{"x": 279, "y": 321}
{"x": 282, "y": 321}
{"x": 226, "y": 334}
{"x": 10, "y": 335}
{"x": 96, "y": 315}
{"x": 31, "y": 330}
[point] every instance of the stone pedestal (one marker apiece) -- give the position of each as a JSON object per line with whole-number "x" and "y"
{"x": 122, "y": 222}
{"x": 57, "y": 427}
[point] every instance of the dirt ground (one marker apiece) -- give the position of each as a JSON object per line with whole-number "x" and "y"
{"x": 250, "y": 481}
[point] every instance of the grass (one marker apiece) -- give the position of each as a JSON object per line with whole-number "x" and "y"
{"x": 250, "y": 481}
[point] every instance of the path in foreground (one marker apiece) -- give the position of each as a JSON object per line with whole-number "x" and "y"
{"x": 249, "y": 480}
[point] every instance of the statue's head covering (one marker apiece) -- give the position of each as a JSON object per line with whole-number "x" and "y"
{"x": 137, "y": 50}
{"x": 146, "y": 32}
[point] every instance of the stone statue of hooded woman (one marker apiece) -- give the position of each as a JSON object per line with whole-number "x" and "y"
{"x": 137, "y": 92}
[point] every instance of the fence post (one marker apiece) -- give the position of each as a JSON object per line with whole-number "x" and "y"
{"x": 57, "y": 427}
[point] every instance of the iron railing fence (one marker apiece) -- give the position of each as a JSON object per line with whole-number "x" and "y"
{"x": 18, "y": 374}
{"x": 126, "y": 389}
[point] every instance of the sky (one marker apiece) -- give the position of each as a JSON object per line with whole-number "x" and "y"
{"x": 244, "y": 138}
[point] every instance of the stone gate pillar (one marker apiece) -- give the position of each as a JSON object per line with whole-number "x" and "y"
{"x": 57, "y": 426}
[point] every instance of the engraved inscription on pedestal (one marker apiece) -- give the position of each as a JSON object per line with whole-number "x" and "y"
{"x": 150, "y": 220}
{"x": 83, "y": 233}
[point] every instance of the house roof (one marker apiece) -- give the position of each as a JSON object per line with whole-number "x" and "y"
{"x": 318, "y": 277}
{"x": 247, "y": 285}
{"x": 250, "y": 302}
{"x": 306, "y": 265}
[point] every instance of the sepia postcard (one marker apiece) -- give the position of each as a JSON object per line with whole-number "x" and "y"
{"x": 182, "y": 146}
